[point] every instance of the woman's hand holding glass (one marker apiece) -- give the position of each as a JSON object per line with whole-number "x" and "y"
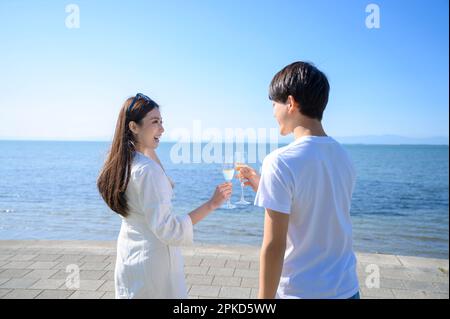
{"x": 221, "y": 194}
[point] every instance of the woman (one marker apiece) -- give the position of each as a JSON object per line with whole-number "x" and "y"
{"x": 133, "y": 183}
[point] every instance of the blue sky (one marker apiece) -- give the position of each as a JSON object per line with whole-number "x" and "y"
{"x": 213, "y": 60}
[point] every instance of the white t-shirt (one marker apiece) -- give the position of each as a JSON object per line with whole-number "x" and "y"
{"x": 312, "y": 179}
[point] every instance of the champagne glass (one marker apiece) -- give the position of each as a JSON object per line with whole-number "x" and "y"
{"x": 228, "y": 173}
{"x": 239, "y": 163}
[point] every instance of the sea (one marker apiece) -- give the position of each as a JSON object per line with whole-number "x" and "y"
{"x": 399, "y": 205}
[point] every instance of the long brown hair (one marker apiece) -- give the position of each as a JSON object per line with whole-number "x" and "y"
{"x": 115, "y": 174}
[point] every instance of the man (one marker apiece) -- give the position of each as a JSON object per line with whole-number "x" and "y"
{"x": 306, "y": 189}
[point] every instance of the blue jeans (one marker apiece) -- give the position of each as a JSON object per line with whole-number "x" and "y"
{"x": 355, "y": 296}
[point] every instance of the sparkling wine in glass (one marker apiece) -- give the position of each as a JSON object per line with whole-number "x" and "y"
{"x": 240, "y": 162}
{"x": 228, "y": 173}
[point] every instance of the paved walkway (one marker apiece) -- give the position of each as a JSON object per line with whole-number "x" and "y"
{"x": 37, "y": 269}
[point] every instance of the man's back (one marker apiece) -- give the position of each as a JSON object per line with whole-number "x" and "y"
{"x": 312, "y": 179}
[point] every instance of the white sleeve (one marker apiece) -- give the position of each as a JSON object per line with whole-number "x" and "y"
{"x": 275, "y": 186}
{"x": 155, "y": 201}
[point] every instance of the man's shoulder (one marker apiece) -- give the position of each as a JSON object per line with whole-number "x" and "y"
{"x": 289, "y": 154}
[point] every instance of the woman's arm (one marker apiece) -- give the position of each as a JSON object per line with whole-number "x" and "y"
{"x": 221, "y": 194}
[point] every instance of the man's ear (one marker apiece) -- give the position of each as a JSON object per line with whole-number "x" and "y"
{"x": 293, "y": 105}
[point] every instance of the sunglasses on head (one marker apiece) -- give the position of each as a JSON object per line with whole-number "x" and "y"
{"x": 138, "y": 97}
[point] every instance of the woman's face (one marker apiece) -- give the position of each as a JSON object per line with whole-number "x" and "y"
{"x": 150, "y": 130}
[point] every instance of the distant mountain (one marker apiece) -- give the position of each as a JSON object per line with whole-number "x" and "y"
{"x": 392, "y": 140}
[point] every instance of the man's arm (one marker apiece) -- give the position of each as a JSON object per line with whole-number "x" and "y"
{"x": 272, "y": 253}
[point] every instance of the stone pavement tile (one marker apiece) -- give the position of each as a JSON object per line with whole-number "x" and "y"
{"x": 94, "y": 265}
{"x": 254, "y": 265}
{"x": 393, "y": 273}
{"x": 62, "y": 265}
{"x": 107, "y": 286}
{"x": 408, "y": 294}
{"x": 254, "y": 293}
{"x": 95, "y": 251}
{"x": 214, "y": 262}
{"x": 72, "y": 251}
{"x": 22, "y": 294}
{"x": 22, "y": 257}
{"x": 205, "y": 255}
{"x": 376, "y": 292}
{"x": 389, "y": 283}
{"x": 4, "y": 291}
{"x": 5, "y": 257}
{"x": 109, "y": 295}
{"x": 199, "y": 279}
{"x": 204, "y": 291}
{"x": 413, "y": 271}
{"x": 250, "y": 282}
{"x": 43, "y": 265}
{"x": 111, "y": 259}
{"x": 69, "y": 257}
{"x": 46, "y": 257}
{"x": 237, "y": 264}
{"x": 85, "y": 294}
{"x": 4, "y": 262}
{"x": 192, "y": 261}
{"x": 230, "y": 256}
{"x": 19, "y": 283}
{"x": 227, "y": 281}
{"x": 34, "y": 252}
{"x": 235, "y": 292}
{"x": 418, "y": 285}
{"x": 61, "y": 274}
{"x": 6, "y": 251}
{"x": 43, "y": 251}
{"x": 187, "y": 252}
{"x": 14, "y": 273}
{"x": 440, "y": 287}
{"x": 426, "y": 276}
{"x": 378, "y": 259}
{"x": 17, "y": 265}
{"x": 55, "y": 294}
{"x": 420, "y": 262}
{"x": 249, "y": 257}
{"x": 94, "y": 258}
{"x": 90, "y": 285}
{"x": 246, "y": 273}
{"x": 194, "y": 270}
{"x": 41, "y": 273}
{"x": 48, "y": 284}
{"x": 110, "y": 266}
{"x": 92, "y": 274}
{"x": 109, "y": 275}
{"x": 221, "y": 271}
{"x": 2, "y": 280}
{"x": 435, "y": 295}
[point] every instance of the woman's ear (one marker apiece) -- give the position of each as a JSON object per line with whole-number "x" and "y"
{"x": 133, "y": 127}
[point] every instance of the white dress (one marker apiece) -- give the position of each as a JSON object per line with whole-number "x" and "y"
{"x": 149, "y": 263}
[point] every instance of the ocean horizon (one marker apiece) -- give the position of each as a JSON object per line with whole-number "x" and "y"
{"x": 48, "y": 191}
